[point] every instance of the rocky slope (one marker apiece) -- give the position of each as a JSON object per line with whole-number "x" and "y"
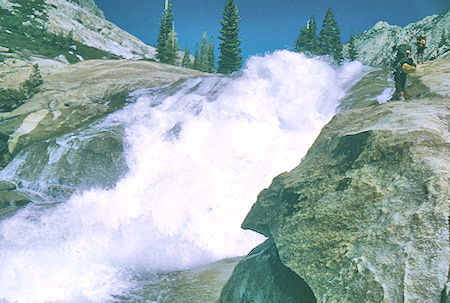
{"x": 90, "y": 6}
{"x": 374, "y": 46}
{"x": 63, "y": 31}
{"x": 92, "y": 30}
{"x": 69, "y": 99}
{"x": 57, "y": 76}
{"x": 364, "y": 217}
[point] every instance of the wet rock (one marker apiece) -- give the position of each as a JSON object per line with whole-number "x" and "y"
{"x": 6, "y": 185}
{"x": 202, "y": 284}
{"x": 81, "y": 93}
{"x": 79, "y": 161}
{"x": 261, "y": 277}
{"x": 13, "y": 198}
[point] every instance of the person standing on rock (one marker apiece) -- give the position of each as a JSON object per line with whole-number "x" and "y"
{"x": 403, "y": 64}
{"x": 421, "y": 45}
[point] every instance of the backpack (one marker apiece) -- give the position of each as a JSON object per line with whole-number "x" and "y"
{"x": 408, "y": 69}
{"x": 421, "y": 41}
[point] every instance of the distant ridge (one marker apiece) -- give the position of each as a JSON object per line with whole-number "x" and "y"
{"x": 374, "y": 46}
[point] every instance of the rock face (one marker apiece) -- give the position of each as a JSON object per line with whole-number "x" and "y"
{"x": 81, "y": 159}
{"x": 68, "y": 101}
{"x": 63, "y": 31}
{"x": 281, "y": 285}
{"x": 90, "y": 6}
{"x": 93, "y": 30}
{"x": 374, "y": 47}
{"x": 364, "y": 217}
{"x": 80, "y": 93}
{"x": 60, "y": 39}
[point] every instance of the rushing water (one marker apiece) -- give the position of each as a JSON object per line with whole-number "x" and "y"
{"x": 198, "y": 153}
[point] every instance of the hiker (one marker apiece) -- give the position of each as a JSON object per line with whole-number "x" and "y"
{"x": 421, "y": 45}
{"x": 403, "y": 65}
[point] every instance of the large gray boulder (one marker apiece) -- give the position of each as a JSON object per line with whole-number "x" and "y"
{"x": 364, "y": 217}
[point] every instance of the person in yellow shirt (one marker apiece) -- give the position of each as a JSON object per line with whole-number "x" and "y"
{"x": 421, "y": 45}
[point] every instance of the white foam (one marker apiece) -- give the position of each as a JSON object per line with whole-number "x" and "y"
{"x": 198, "y": 156}
{"x": 385, "y": 95}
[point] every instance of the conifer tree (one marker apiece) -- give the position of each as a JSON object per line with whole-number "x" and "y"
{"x": 186, "y": 58}
{"x": 352, "y": 53}
{"x": 204, "y": 53}
{"x": 307, "y": 40}
{"x": 329, "y": 37}
{"x": 196, "y": 64}
{"x": 230, "y": 59}
{"x": 167, "y": 47}
{"x": 301, "y": 42}
{"x": 211, "y": 57}
{"x": 31, "y": 84}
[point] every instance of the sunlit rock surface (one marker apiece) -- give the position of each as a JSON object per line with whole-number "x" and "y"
{"x": 364, "y": 217}
{"x": 89, "y": 27}
{"x": 374, "y": 46}
{"x": 80, "y": 93}
{"x": 69, "y": 100}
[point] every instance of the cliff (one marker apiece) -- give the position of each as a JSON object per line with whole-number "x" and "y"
{"x": 64, "y": 32}
{"x": 374, "y": 46}
{"x": 93, "y": 30}
{"x": 364, "y": 216}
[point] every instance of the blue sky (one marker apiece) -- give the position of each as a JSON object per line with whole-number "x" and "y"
{"x": 266, "y": 25}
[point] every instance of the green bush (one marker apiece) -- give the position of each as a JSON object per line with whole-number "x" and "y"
{"x": 30, "y": 86}
{"x": 11, "y": 98}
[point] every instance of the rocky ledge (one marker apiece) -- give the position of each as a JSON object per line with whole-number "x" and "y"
{"x": 364, "y": 217}
{"x": 69, "y": 99}
{"x": 75, "y": 95}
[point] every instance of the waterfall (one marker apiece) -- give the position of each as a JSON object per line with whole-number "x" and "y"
{"x": 198, "y": 152}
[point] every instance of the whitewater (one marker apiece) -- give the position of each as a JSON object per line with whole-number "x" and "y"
{"x": 198, "y": 153}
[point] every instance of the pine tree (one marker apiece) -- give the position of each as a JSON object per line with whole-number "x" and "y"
{"x": 172, "y": 48}
{"x": 204, "y": 53}
{"x": 329, "y": 37}
{"x": 352, "y": 53}
{"x": 167, "y": 47}
{"x": 301, "y": 42}
{"x": 230, "y": 59}
{"x": 186, "y": 58}
{"x": 211, "y": 57}
{"x": 30, "y": 85}
{"x": 196, "y": 64}
{"x": 307, "y": 40}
